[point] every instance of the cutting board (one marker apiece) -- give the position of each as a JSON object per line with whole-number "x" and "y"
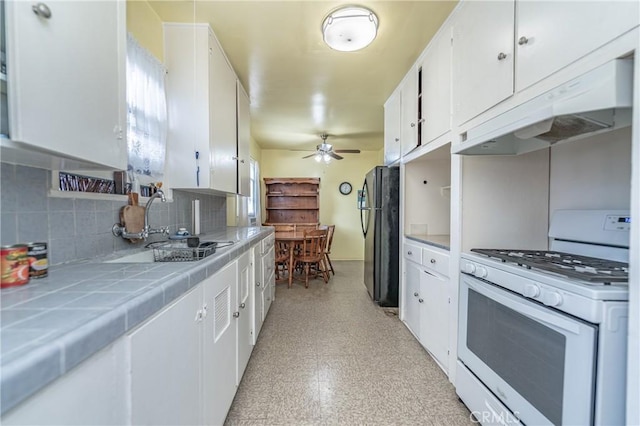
{"x": 132, "y": 218}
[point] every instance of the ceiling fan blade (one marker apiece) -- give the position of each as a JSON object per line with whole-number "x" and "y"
{"x": 310, "y": 155}
{"x": 334, "y": 155}
{"x": 347, "y": 151}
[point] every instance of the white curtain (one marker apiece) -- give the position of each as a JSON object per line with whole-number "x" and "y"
{"x": 146, "y": 113}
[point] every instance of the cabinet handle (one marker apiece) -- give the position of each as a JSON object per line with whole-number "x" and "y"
{"x": 242, "y": 161}
{"x": 502, "y": 56}
{"x": 413, "y": 124}
{"x": 41, "y": 10}
{"x": 204, "y": 311}
{"x": 422, "y": 120}
{"x": 198, "y": 316}
{"x": 523, "y": 40}
{"x": 415, "y": 294}
{"x": 258, "y": 284}
{"x": 420, "y": 300}
{"x": 397, "y": 139}
{"x": 268, "y": 299}
{"x": 410, "y": 253}
{"x": 236, "y": 314}
{"x": 433, "y": 261}
{"x": 242, "y": 305}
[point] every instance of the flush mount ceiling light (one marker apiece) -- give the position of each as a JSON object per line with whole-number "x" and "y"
{"x": 350, "y": 28}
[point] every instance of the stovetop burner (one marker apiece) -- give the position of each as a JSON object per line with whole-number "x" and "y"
{"x": 590, "y": 269}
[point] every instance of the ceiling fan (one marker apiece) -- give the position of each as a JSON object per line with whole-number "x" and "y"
{"x": 325, "y": 152}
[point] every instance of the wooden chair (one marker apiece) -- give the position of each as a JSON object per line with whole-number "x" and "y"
{"x": 312, "y": 253}
{"x": 282, "y": 260}
{"x": 327, "y": 251}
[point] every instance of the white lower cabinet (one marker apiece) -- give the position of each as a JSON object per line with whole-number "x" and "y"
{"x": 264, "y": 282}
{"x": 426, "y": 298}
{"x": 434, "y": 318}
{"x": 93, "y": 393}
{"x": 187, "y": 361}
{"x": 220, "y": 354}
{"x": 243, "y": 313}
{"x": 411, "y": 299}
{"x": 165, "y": 359}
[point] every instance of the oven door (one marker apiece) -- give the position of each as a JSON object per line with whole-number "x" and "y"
{"x": 539, "y": 362}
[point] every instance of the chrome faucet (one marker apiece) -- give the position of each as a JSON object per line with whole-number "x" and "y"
{"x": 120, "y": 231}
{"x": 148, "y": 230}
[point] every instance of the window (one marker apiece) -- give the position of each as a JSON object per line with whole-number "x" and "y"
{"x": 253, "y": 210}
{"x": 146, "y": 114}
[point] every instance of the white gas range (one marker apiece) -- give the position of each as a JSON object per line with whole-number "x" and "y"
{"x": 543, "y": 334}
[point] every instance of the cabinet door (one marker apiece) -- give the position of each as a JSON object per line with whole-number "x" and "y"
{"x": 411, "y": 304}
{"x": 551, "y": 35}
{"x": 257, "y": 292}
{"x": 409, "y": 112}
{"x": 67, "y": 79}
{"x": 244, "y": 308}
{"x": 436, "y": 88}
{"x": 244, "y": 142}
{"x": 392, "y": 128}
{"x": 165, "y": 361}
{"x": 186, "y": 55}
{"x": 482, "y": 57}
{"x": 223, "y": 104}
{"x": 268, "y": 272}
{"x": 219, "y": 344}
{"x": 434, "y": 317}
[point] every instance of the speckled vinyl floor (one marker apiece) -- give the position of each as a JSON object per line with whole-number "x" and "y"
{"x": 327, "y": 355}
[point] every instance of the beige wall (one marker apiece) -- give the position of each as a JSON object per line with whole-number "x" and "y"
{"x": 146, "y": 27}
{"x": 335, "y": 208}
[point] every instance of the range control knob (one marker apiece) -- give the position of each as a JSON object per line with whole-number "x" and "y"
{"x": 531, "y": 290}
{"x": 552, "y": 298}
{"x": 469, "y": 268}
{"x": 481, "y": 272}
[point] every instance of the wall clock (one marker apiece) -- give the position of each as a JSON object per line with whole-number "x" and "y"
{"x": 345, "y": 188}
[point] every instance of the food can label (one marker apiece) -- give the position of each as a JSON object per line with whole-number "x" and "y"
{"x": 38, "y": 262}
{"x": 14, "y": 265}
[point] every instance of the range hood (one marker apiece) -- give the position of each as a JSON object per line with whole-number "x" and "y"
{"x": 596, "y": 102}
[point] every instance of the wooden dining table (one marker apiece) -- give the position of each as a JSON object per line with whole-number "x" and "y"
{"x": 290, "y": 238}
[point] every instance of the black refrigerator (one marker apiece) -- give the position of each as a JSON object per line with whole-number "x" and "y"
{"x": 379, "y": 202}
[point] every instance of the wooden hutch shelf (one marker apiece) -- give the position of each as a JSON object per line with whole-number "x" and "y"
{"x": 292, "y": 200}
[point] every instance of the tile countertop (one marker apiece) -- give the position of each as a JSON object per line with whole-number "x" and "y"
{"x": 53, "y": 324}
{"x": 440, "y": 241}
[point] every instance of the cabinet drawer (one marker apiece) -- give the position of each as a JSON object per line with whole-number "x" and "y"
{"x": 436, "y": 260}
{"x": 268, "y": 265}
{"x": 412, "y": 252}
{"x": 267, "y": 243}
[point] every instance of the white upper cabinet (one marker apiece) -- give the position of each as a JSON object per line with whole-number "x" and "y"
{"x": 392, "y": 126}
{"x": 66, "y": 80}
{"x": 436, "y": 88}
{"x": 223, "y": 115}
{"x": 482, "y": 57}
{"x": 551, "y": 35}
{"x": 244, "y": 142}
{"x": 201, "y": 99}
{"x": 409, "y": 112}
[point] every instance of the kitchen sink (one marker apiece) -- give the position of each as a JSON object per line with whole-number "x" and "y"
{"x": 169, "y": 252}
{"x": 140, "y": 257}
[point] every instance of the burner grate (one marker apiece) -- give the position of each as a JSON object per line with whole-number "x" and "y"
{"x": 590, "y": 269}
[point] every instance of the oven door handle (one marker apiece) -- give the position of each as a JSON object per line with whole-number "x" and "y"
{"x": 553, "y": 321}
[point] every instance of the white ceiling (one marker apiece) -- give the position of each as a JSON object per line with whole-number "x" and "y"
{"x": 299, "y": 87}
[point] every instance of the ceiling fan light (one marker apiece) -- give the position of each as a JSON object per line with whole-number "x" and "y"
{"x": 350, "y": 28}
{"x": 326, "y": 158}
{"x": 318, "y": 157}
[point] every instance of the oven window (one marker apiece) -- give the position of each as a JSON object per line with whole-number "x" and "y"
{"x": 526, "y": 354}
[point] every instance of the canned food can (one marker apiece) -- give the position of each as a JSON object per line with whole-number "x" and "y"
{"x": 14, "y": 265}
{"x": 38, "y": 262}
